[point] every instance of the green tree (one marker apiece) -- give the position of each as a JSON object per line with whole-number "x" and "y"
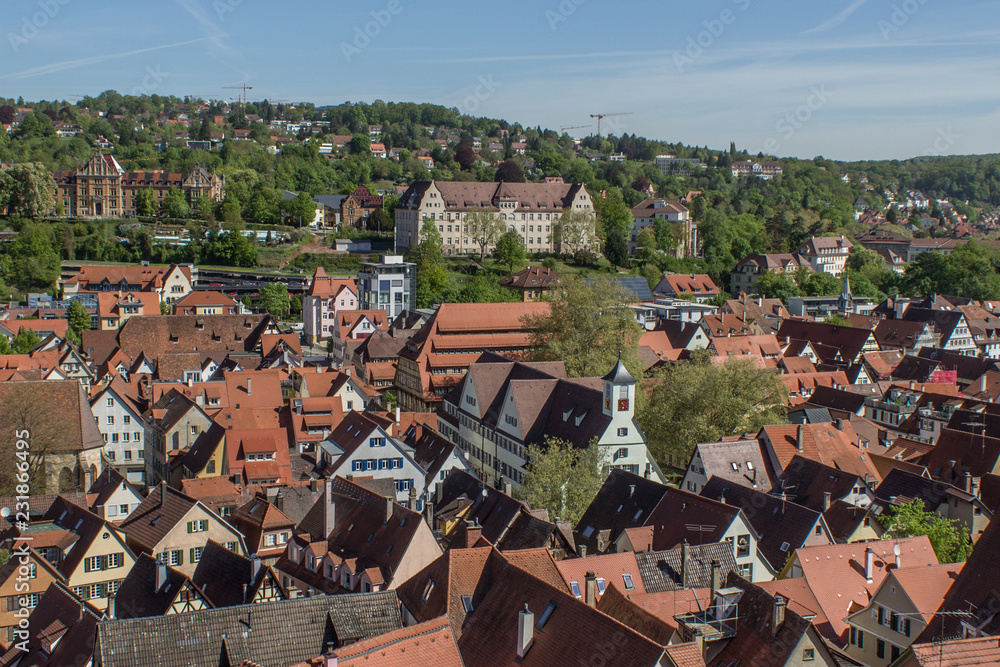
{"x": 562, "y": 478}
{"x": 175, "y": 204}
{"x": 275, "y": 300}
{"x": 79, "y": 318}
{"x": 773, "y": 285}
{"x": 646, "y": 239}
{"x": 588, "y": 325}
{"x": 165, "y": 308}
{"x": 510, "y": 250}
{"x": 360, "y": 144}
{"x": 301, "y": 209}
{"x": 24, "y": 340}
{"x": 483, "y": 288}
{"x": 145, "y": 202}
{"x": 484, "y": 227}
{"x": 949, "y": 538}
{"x": 27, "y": 190}
{"x": 379, "y": 221}
{"x": 703, "y": 402}
{"x": 572, "y": 231}
{"x": 613, "y": 212}
{"x": 616, "y": 247}
{"x": 204, "y": 209}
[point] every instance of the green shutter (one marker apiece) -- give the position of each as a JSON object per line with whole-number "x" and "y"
{"x": 190, "y": 526}
{"x": 180, "y": 557}
{"x": 104, "y": 562}
{"x": 86, "y": 565}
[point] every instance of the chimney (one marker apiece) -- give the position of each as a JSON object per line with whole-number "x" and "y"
{"x": 685, "y": 562}
{"x": 347, "y": 371}
{"x": 111, "y": 606}
{"x": 249, "y": 388}
{"x": 429, "y": 513}
{"x": 967, "y": 479}
{"x": 245, "y": 589}
{"x": 913, "y": 385}
{"x": 413, "y": 498}
{"x": 525, "y": 631}
{"x": 329, "y": 660}
{"x": 190, "y": 381}
{"x": 779, "y": 614}
{"x": 897, "y": 552}
{"x": 161, "y": 574}
{"x": 799, "y": 437}
{"x": 389, "y": 503}
{"x": 163, "y": 494}
{"x": 314, "y": 485}
{"x": 582, "y": 550}
{"x": 716, "y": 578}
{"x": 254, "y": 567}
{"x": 279, "y": 501}
{"x": 102, "y": 512}
{"x": 591, "y": 589}
{"x": 982, "y": 384}
{"x": 473, "y": 531}
{"x": 869, "y": 565}
{"x": 329, "y": 508}
{"x": 826, "y": 500}
{"x": 397, "y": 416}
{"x": 507, "y": 488}
{"x": 840, "y": 424}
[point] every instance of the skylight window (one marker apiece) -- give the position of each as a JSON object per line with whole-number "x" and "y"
{"x": 601, "y": 585}
{"x": 428, "y": 589}
{"x": 575, "y": 587}
{"x": 629, "y": 585}
{"x": 544, "y": 618}
{"x": 467, "y": 603}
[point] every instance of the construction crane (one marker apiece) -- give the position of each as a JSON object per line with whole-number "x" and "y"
{"x": 599, "y": 116}
{"x": 244, "y": 88}
{"x": 572, "y": 127}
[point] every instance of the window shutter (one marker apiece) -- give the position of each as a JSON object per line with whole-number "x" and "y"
{"x": 12, "y": 603}
{"x": 192, "y": 555}
{"x": 180, "y": 557}
{"x": 86, "y": 565}
{"x": 104, "y": 562}
{"x": 190, "y": 526}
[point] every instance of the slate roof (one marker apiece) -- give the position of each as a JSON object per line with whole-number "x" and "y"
{"x": 138, "y": 596}
{"x": 777, "y": 522}
{"x": 751, "y": 468}
{"x": 977, "y": 588}
{"x": 849, "y": 340}
{"x": 661, "y": 570}
{"x": 61, "y": 632}
{"x": 638, "y": 497}
{"x": 638, "y": 287}
{"x": 806, "y": 481}
{"x": 902, "y": 486}
{"x": 276, "y": 634}
{"x": 221, "y": 575}
{"x": 679, "y": 512}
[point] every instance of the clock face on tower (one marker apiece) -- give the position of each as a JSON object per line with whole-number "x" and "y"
{"x": 622, "y": 405}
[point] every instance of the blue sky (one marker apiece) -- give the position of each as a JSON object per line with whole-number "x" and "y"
{"x": 846, "y": 79}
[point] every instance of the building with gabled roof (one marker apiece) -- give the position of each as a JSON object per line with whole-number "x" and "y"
{"x": 833, "y": 444}
{"x": 60, "y": 632}
{"x": 532, "y": 282}
{"x": 826, "y": 254}
{"x": 953, "y": 652}
{"x": 699, "y": 286}
{"x": 321, "y": 302}
{"x": 531, "y": 209}
{"x": 175, "y": 528}
{"x": 280, "y": 633}
{"x": 23, "y": 588}
{"x": 603, "y": 524}
{"x": 738, "y": 461}
{"x": 843, "y": 577}
{"x": 228, "y": 579}
{"x": 355, "y": 540}
{"x": 152, "y": 588}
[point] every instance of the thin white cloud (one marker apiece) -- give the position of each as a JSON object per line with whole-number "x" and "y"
{"x": 837, "y": 20}
{"x": 210, "y": 27}
{"x": 93, "y": 60}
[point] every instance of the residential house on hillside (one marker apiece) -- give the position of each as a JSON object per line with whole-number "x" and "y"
{"x": 206, "y": 303}
{"x": 826, "y": 254}
{"x": 744, "y": 276}
{"x": 700, "y": 287}
{"x": 646, "y": 214}
{"x": 533, "y": 282}
{"x": 357, "y": 207}
{"x": 950, "y": 325}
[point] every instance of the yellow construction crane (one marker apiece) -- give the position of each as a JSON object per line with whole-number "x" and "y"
{"x": 599, "y": 116}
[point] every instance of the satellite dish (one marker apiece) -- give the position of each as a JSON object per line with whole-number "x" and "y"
{"x": 5, "y": 512}
{"x": 895, "y": 550}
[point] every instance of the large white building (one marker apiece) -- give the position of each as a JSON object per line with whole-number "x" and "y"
{"x": 120, "y": 422}
{"x": 325, "y": 297}
{"x": 826, "y": 254}
{"x": 501, "y": 407}
{"x": 389, "y": 285}
{"x": 531, "y": 209}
